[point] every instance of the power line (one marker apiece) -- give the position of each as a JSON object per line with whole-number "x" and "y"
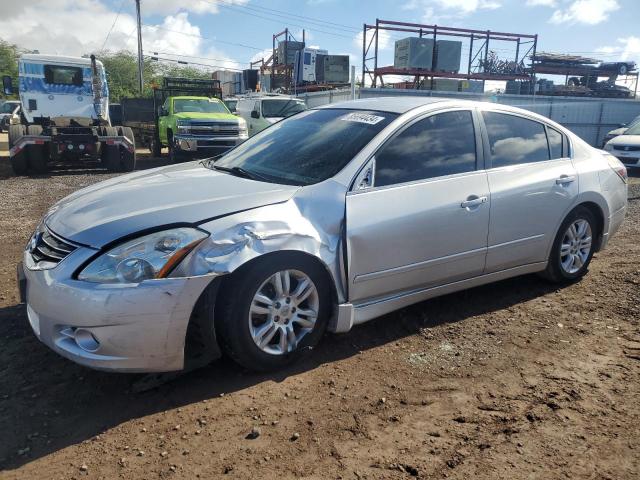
{"x": 233, "y": 9}
{"x": 201, "y": 58}
{"x": 286, "y": 15}
{"x": 113, "y": 24}
{"x": 202, "y": 36}
{"x": 182, "y": 62}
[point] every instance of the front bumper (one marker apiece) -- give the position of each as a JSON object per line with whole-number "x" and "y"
{"x": 134, "y": 328}
{"x": 197, "y": 143}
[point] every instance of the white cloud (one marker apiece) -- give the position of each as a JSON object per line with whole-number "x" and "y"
{"x": 168, "y": 7}
{"x": 588, "y": 12}
{"x": 78, "y": 27}
{"x": 541, "y": 3}
{"x": 438, "y": 11}
{"x": 469, "y": 6}
{"x": 384, "y": 40}
{"x": 627, "y": 48}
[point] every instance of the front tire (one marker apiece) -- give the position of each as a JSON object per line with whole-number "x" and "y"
{"x": 573, "y": 247}
{"x": 273, "y": 310}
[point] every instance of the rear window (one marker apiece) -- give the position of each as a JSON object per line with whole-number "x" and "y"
{"x": 63, "y": 75}
{"x": 514, "y": 140}
{"x": 281, "y": 108}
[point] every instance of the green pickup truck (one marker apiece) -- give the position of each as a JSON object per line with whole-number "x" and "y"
{"x": 194, "y": 126}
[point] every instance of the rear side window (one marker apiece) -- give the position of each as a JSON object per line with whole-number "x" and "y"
{"x": 63, "y": 75}
{"x": 441, "y": 144}
{"x": 514, "y": 140}
{"x": 558, "y": 147}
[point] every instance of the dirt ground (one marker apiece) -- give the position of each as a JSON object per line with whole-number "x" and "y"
{"x": 518, "y": 379}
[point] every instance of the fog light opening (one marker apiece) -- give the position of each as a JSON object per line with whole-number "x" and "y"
{"x": 85, "y": 340}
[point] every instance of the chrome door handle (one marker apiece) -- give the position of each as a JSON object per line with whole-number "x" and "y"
{"x": 565, "y": 179}
{"x": 473, "y": 202}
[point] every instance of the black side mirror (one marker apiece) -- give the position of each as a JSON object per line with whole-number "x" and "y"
{"x": 255, "y": 114}
{"x": 7, "y": 85}
{"x": 162, "y": 112}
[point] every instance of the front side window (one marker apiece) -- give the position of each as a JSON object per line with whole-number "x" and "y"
{"x": 514, "y": 140}
{"x": 308, "y": 148}
{"x": 8, "y": 107}
{"x": 198, "y": 105}
{"x": 63, "y": 75}
{"x": 441, "y": 144}
{"x": 281, "y": 108}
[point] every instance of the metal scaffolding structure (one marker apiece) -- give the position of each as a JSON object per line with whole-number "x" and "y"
{"x": 479, "y": 49}
{"x": 273, "y": 66}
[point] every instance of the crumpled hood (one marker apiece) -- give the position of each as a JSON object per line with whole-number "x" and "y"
{"x": 177, "y": 194}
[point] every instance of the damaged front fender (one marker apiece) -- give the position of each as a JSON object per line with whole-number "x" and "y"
{"x": 312, "y": 222}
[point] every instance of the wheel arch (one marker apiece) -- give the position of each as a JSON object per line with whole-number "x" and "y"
{"x": 290, "y": 254}
{"x": 202, "y": 346}
{"x": 597, "y": 212}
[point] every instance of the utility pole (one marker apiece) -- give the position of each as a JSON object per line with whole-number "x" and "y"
{"x": 140, "y": 60}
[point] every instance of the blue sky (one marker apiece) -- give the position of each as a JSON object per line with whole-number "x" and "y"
{"x": 230, "y": 33}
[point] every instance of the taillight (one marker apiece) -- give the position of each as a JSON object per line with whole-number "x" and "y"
{"x": 617, "y": 166}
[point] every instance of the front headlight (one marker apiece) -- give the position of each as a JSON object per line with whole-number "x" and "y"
{"x": 144, "y": 258}
{"x": 242, "y": 126}
{"x": 183, "y": 126}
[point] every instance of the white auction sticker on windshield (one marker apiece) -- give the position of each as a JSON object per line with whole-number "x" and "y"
{"x": 362, "y": 118}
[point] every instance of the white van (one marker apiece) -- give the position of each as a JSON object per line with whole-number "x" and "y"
{"x": 262, "y": 111}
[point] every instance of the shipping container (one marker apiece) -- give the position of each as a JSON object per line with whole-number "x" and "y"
{"x": 448, "y": 56}
{"x": 305, "y": 66}
{"x": 250, "y": 80}
{"x": 472, "y": 86}
{"x": 332, "y": 68}
{"x": 446, "y": 84}
{"x": 286, "y": 52}
{"x": 413, "y": 52}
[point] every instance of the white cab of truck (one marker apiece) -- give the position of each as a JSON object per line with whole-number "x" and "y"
{"x": 58, "y": 86}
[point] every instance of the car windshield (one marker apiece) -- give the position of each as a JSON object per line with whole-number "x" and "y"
{"x": 198, "y": 105}
{"x": 231, "y": 104}
{"x": 8, "y": 107}
{"x": 634, "y": 129}
{"x": 274, "y": 108}
{"x": 307, "y": 148}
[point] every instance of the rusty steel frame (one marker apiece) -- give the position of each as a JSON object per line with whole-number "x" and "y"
{"x": 370, "y": 36}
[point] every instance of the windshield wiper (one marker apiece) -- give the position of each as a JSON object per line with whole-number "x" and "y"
{"x": 241, "y": 172}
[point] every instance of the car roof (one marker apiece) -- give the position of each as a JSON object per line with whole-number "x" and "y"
{"x": 404, "y": 103}
{"x": 394, "y": 104}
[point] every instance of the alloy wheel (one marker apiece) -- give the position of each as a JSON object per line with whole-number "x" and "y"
{"x": 576, "y": 246}
{"x": 284, "y": 309}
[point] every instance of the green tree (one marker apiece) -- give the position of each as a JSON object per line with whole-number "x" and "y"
{"x": 122, "y": 74}
{"x": 9, "y": 63}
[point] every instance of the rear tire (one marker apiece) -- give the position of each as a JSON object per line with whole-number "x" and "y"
{"x": 111, "y": 153}
{"x": 156, "y": 146}
{"x": 241, "y": 318}
{"x": 37, "y": 154}
{"x": 573, "y": 247}
{"x": 127, "y": 159}
{"x": 19, "y": 162}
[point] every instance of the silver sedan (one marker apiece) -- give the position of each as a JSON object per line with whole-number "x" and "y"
{"x": 323, "y": 221}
